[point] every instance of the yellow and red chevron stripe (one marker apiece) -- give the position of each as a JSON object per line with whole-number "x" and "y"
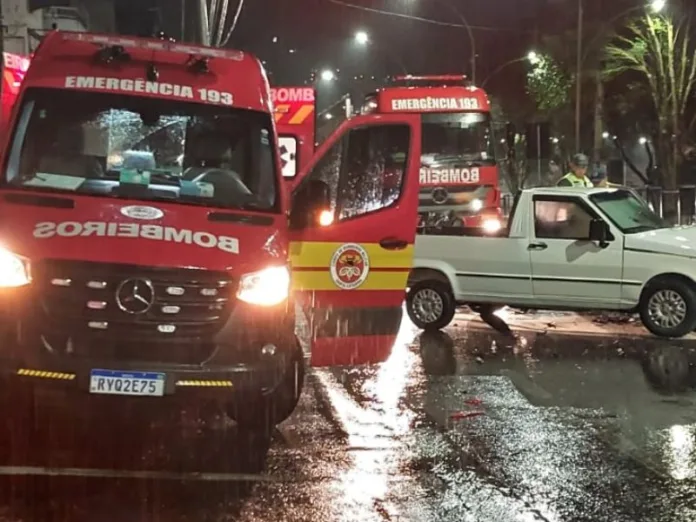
{"x": 293, "y": 113}
{"x": 311, "y": 264}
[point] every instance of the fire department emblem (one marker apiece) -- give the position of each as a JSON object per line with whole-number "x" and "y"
{"x": 350, "y": 266}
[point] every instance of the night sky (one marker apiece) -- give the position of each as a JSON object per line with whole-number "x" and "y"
{"x": 316, "y": 34}
{"x": 320, "y": 34}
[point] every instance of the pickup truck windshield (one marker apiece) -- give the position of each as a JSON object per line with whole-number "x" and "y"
{"x": 458, "y": 137}
{"x": 628, "y": 212}
{"x": 143, "y": 148}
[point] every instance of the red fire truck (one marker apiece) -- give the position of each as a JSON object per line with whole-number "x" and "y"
{"x": 146, "y": 243}
{"x": 459, "y": 174}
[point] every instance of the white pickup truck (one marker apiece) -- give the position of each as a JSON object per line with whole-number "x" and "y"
{"x": 563, "y": 249}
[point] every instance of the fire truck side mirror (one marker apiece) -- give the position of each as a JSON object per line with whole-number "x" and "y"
{"x": 310, "y": 203}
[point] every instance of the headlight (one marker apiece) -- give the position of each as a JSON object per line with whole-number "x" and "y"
{"x": 267, "y": 287}
{"x": 14, "y": 270}
{"x": 326, "y": 218}
{"x": 492, "y": 225}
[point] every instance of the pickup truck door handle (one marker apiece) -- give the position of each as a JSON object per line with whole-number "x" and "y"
{"x": 393, "y": 243}
{"x": 537, "y": 246}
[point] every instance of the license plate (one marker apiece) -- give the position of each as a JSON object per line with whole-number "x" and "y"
{"x": 111, "y": 382}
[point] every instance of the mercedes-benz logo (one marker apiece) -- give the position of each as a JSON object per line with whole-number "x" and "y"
{"x": 135, "y": 296}
{"x": 439, "y": 195}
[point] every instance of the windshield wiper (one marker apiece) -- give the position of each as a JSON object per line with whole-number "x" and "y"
{"x": 643, "y": 228}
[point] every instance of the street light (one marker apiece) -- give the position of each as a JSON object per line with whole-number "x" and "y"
{"x": 362, "y": 38}
{"x": 658, "y": 5}
{"x": 532, "y": 57}
{"x": 327, "y": 75}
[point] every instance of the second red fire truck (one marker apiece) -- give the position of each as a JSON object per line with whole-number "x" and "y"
{"x": 459, "y": 178}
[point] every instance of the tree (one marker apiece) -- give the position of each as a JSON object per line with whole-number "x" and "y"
{"x": 548, "y": 84}
{"x": 661, "y": 52}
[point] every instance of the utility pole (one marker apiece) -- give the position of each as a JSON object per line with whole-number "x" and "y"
{"x": 183, "y": 21}
{"x": 203, "y": 22}
{"x": 578, "y": 77}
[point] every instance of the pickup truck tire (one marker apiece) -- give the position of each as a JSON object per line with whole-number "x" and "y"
{"x": 668, "y": 307}
{"x": 261, "y": 411}
{"x": 430, "y": 305}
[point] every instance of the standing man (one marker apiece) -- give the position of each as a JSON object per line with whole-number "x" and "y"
{"x": 577, "y": 177}
{"x": 599, "y": 179}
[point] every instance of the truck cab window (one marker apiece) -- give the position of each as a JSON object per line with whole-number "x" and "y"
{"x": 364, "y": 170}
{"x": 326, "y": 171}
{"x": 628, "y": 212}
{"x": 561, "y": 219}
{"x": 373, "y": 172}
{"x": 194, "y": 154}
{"x": 458, "y": 136}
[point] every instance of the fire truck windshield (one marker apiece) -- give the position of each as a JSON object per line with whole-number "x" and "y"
{"x": 459, "y": 137}
{"x": 144, "y": 148}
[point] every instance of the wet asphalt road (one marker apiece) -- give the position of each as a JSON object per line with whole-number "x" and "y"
{"x": 560, "y": 424}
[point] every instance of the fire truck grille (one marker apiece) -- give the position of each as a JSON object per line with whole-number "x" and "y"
{"x": 132, "y": 304}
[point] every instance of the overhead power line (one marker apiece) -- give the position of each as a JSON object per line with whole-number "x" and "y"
{"x": 424, "y": 20}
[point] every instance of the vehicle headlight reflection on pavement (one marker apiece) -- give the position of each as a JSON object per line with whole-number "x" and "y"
{"x": 681, "y": 452}
{"x": 377, "y": 426}
{"x": 14, "y": 270}
{"x": 267, "y": 287}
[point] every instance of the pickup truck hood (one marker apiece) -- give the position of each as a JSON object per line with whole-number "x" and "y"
{"x": 89, "y": 228}
{"x": 678, "y": 241}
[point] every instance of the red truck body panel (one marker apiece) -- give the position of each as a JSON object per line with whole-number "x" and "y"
{"x": 15, "y": 68}
{"x": 294, "y": 112}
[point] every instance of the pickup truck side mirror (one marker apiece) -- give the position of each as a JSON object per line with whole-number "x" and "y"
{"x": 599, "y": 232}
{"x": 310, "y": 204}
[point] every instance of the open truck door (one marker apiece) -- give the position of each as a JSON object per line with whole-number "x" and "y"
{"x": 353, "y": 225}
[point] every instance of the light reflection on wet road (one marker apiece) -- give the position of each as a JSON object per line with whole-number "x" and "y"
{"x": 557, "y": 425}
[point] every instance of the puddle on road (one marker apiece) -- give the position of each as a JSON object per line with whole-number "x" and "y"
{"x": 591, "y": 375}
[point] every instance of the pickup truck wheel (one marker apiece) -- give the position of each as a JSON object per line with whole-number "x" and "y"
{"x": 262, "y": 411}
{"x": 430, "y": 305}
{"x": 668, "y": 308}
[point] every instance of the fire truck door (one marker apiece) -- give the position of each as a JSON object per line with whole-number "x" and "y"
{"x": 353, "y": 223}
